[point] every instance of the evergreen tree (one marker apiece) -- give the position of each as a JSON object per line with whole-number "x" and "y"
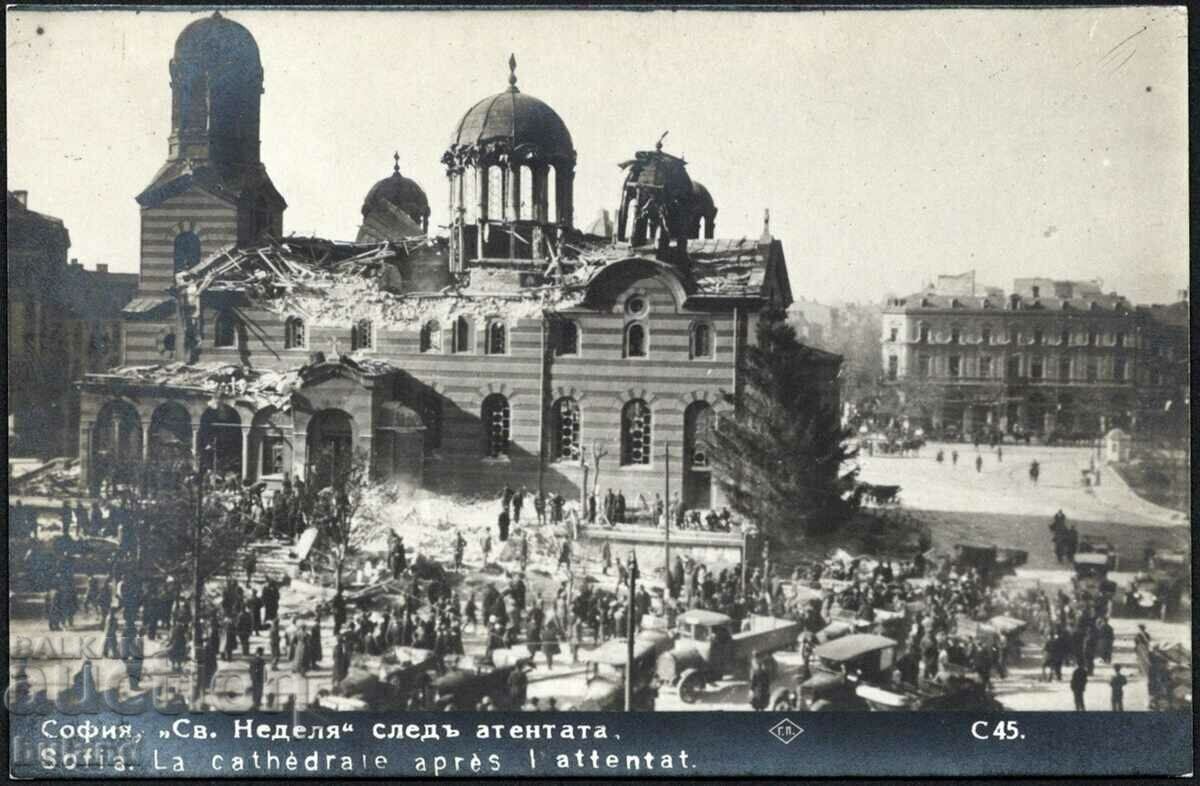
{"x": 780, "y": 455}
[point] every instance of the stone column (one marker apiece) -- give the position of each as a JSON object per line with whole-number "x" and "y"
{"x": 196, "y": 446}
{"x": 85, "y": 455}
{"x": 245, "y": 452}
{"x": 146, "y": 442}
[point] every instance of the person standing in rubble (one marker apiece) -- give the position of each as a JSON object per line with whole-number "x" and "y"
{"x": 486, "y": 547}
{"x": 502, "y": 524}
{"x": 460, "y": 544}
{"x": 564, "y": 554}
{"x": 606, "y": 556}
{"x": 524, "y": 552}
{"x": 539, "y": 507}
{"x": 518, "y": 502}
{"x": 506, "y": 496}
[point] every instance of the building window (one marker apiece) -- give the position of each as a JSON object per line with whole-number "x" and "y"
{"x": 1014, "y": 367}
{"x": 635, "y": 433}
{"x": 225, "y": 330}
{"x": 955, "y": 335}
{"x": 431, "y": 416}
{"x": 1037, "y": 336}
{"x": 1119, "y": 369}
{"x": 1120, "y": 339}
{"x": 1064, "y": 368}
{"x": 272, "y": 455}
{"x": 293, "y": 333}
{"x": 362, "y": 335}
{"x": 1093, "y": 371}
{"x": 497, "y": 338}
{"x": 955, "y": 365}
{"x": 1035, "y": 368}
{"x": 985, "y": 366}
{"x": 895, "y": 334}
{"x": 635, "y": 341}
{"x": 431, "y": 337}
{"x": 187, "y": 250}
{"x": 1014, "y": 336}
{"x": 697, "y": 433}
{"x": 568, "y": 338}
{"x": 168, "y": 342}
{"x": 496, "y": 422}
{"x": 462, "y": 335}
{"x": 565, "y": 430}
{"x": 702, "y": 343}
{"x": 893, "y": 366}
{"x": 923, "y": 333}
{"x": 636, "y": 306}
{"x": 1091, "y": 340}
{"x": 987, "y": 335}
{"x": 923, "y": 366}
{"x": 1065, "y": 338}
{"x": 1036, "y": 291}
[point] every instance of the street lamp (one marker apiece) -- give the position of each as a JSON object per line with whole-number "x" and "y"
{"x": 632, "y": 570}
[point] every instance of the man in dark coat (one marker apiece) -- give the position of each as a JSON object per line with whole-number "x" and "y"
{"x": 760, "y": 684}
{"x": 502, "y": 524}
{"x": 518, "y": 502}
{"x": 258, "y": 677}
{"x": 620, "y": 507}
{"x": 1079, "y": 680}
{"x": 270, "y": 599}
{"x": 230, "y": 638}
{"x": 341, "y": 660}
{"x": 518, "y": 685}
{"x": 255, "y": 605}
{"x": 245, "y": 626}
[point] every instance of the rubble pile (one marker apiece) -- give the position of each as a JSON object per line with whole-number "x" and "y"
{"x": 427, "y": 522}
{"x": 55, "y": 479}
{"x": 264, "y": 387}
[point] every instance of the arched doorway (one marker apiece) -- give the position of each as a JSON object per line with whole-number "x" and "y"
{"x": 221, "y": 440}
{"x": 116, "y": 446}
{"x": 170, "y": 433}
{"x": 330, "y": 446}
{"x": 697, "y": 466}
{"x": 270, "y": 444}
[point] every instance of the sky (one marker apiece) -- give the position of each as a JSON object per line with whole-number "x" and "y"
{"x": 888, "y": 146}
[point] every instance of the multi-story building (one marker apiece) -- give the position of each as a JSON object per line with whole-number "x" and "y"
{"x": 1050, "y": 357}
{"x": 512, "y": 351}
{"x": 63, "y": 321}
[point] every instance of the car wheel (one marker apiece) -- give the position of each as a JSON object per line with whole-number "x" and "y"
{"x": 691, "y": 684}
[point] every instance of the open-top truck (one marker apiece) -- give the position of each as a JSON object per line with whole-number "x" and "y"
{"x": 707, "y": 648}
{"x": 606, "y": 672}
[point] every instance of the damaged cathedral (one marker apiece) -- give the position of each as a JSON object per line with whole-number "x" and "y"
{"x": 512, "y": 350}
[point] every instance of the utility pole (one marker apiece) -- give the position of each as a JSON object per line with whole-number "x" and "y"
{"x": 197, "y": 588}
{"x": 667, "y": 523}
{"x": 745, "y": 554}
{"x": 629, "y": 612}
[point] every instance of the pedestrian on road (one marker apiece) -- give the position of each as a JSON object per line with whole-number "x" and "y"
{"x": 274, "y": 642}
{"x": 245, "y": 625}
{"x": 518, "y": 502}
{"x": 1034, "y": 470}
{"x": 1107, "y": 636}
{"x": 518, "y": 684}
{"x": 760, "y": 684}
{"x": 1079, "y": 680}
{"x": 954, "y": 457}
{"x": 230, "y": 638}
{"x": 1117, "y": 683}
{"x": 999, "y": 454}
{"x": 250, "y": 563}
{"x": 979, "y": 463}
{"x": 502, "y": 524}
{"x": 941, "y": 456}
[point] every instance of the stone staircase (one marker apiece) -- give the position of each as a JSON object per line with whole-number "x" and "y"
{"x": 276, "y": 559}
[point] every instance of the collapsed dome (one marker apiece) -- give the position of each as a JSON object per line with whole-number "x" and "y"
{"x": 398, "y": 191}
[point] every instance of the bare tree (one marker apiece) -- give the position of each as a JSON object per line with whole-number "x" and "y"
{"x": 344, "y": 526}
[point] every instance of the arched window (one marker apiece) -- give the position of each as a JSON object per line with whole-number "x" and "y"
{"x": 702, "y": 340}
{"x": 1038, "y": 338}
{"x": 187, "y": 250}
{"x": 1064, "y": 368}
{"x": 635, "y": 341}
{"x": 955, "y": 334}
{"x": 565, "y": 430}
{"x": 431, "y": 416}
{"x": 497, "y": 338}
{"x": 431, "y": 336}
{"x": 462, "y": 335}
{"x": 496, "y": 419}
{"x": 1065, "y": 338}
{"x": 225, "y": 330}
{"x": 568, "y": 338}
{"x": 293, "y": 333}
{"x": 636, "y": 437}
{"x": 986, "y": 336}
{"x": 362, "y": 335}
{"x": 923, "y": 333}
{"x": 697, "y": 422}
{"x": 525, "y": 208}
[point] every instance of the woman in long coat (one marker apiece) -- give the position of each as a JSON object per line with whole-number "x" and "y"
{"x": 550, "y": 638}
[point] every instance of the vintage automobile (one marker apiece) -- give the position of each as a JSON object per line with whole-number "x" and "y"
{"x": 855, "y": 673}
{"x": 1090, "y": 544}
{"x": 1168, "y": 671}
{"x": 465, "y": 688}
{"x": 402, "y": 679}
{"x": 706, "y": 648}
{"x": 990, "y": 562}
{"x": 606, "y": 672}
{"x": 32, "y": 565}
{"x": 1091, "y": 575}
